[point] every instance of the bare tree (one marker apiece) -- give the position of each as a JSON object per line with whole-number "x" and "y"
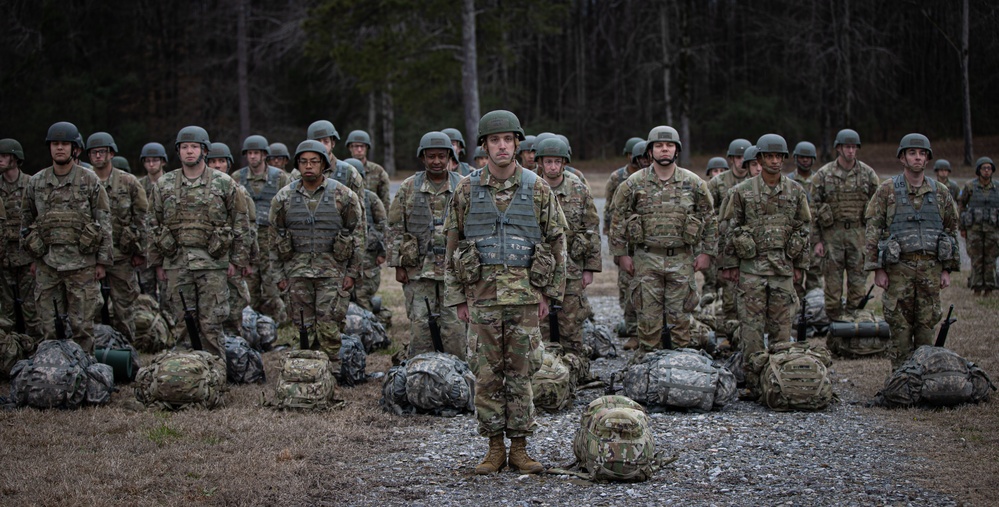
{"x": 242, "y": 74}
{"x": 969, "y": 149}
{"x": 469, "y": 72}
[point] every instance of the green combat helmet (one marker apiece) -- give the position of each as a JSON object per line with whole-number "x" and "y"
{"x": 565, "y": 140}
{"x": 639, "y": 149}
{"x": 716, "y": 163}
{"x": 256, "y": 142}
{"x": 804, "y": 149}
{"x": 847, "y": 136}
{"x": 64, "y": 131}
{"x": 749, "y": 155}
{"x": 437, "y": 140}
{"x": 498, "y": 122}
{"x": 278, "y": 150}
{"x": 663, "y": 133}
{"x": 79, "y": 140}
{"x": 357, "y": 164}
{"x": 941, "y": 164}
{"x": 220, "y": 150}
{"x": 101, "y": 140}
{"x": 320, "y": 129}
{"x": 914, "y": 141}
{"x": 553, "y": 147}
{"x": 737, "y": 148}
{"x": 10, "y": 146}
{"x": 193, "y": 134}
{"x": 538, "y": 139}
{"x": 120, "y": 162}
{"x": 771, "y": 143}
{"x": 629, "y": 145}
{"x": 359, "y": 136}
{"x": 982, "y": 161}
{"x": 315, "y": 147}
{"x": 153, "y": 150}
{"x": 526, "y": 145}
{"x": 455, "y": 135}
{"x": 481, "y": 153}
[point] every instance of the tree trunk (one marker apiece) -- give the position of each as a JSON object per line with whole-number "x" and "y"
{"x": 969, "y": 149}
{"x": 664, "y": 36}
{"x": 388, "y": 130}
{"x": 469, "y": 77}
{"x": 243, "y": 78}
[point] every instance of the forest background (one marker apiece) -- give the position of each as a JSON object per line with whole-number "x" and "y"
{"x": 597, "y": 71}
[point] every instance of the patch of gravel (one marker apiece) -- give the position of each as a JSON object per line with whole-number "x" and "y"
{"x": 743, "y": 454}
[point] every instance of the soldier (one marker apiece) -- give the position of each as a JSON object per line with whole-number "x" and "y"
{"x": 506, "y": 254}
{"x": 668, "y": 213}
{"x": 719, "y": 186}
{"x": 840, "y": 192}
{"x": 200, "y": 234}
{"x": 375, "y": 177}
{"x": 582, "y": 239}
{"x": 979, "y": 203}
{"x": 129, "y": 208}
{"x": 262, "y": 182}
{"x": 153, "y": 158}
{"x": 458, "y": 142}
{"x": 481, "y": 159}
{"x": 804, "y": 159}
{"x": 911, "y": 245}
{"x": 14, "y": 270}
{"x": 575, "y": 172}
{"x": 278, "y": 156}
{"x": 629, "y": 326}
{"x": 768, "y": 231}
{"x": 716, "y": 166}
{"x": 319, "y": 225}
{"x": 525, "y": 151}
{"x": 417, "y": 245}
{"x": 67, "y": 230}
{"x": 324, "y": 132}
{"x": 376, "y": 221}
{"x": 942, "y": 170}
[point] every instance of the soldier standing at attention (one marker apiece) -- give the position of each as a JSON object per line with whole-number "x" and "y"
{"x": 14, "y": 270}
{"x": 768, "y": 219}
{"x": 506, "y": 248}
{"x": 979, "y": 203}
{"x": 200, "y": 236}
{"x": 375, "y": 177}
{"x": 376, "y": 223}
{"x": 324, "y": 132}
{"x": 840, "y": 192}
{"x": 718, "y": 187}
{"x": 804, "y": 159}
{"x": 638, "y": 159}
{"x": 278, "y": 156}
{"x": 319, "y": 224}
{"x": 67, "y": 222}
{"x": 911, "y": 245}
{"x": 941, "y": 169}
{"x": 668, "y": 213}
{"x": 525, "y": 151}
{"x": 458, "y": 142}
{"x": 129, "y": 208}
{"x": 417, "y": 244}
{"x": 716, "y": 166}
{"x": 153, "y": 158}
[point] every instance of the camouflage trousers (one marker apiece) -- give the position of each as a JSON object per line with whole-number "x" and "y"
{"x": 662, "y": 281}
{"x": 262, "y": 282}
{"x": 209, "y": 291}
{"x": 912, "y": 306}
{"x": 76, "y": 292}
{"x": 239, "y": 298}
{"x": 844, "y": 253}
{"x": 983, "y": 247}
{"x": 19, "y": 276}
{"x": 624, "y": 298}
{"x": 810, "y": 280}
{"x": 570, "y": 318}
{"x": 505, "y": 352}
{"x": 766, "y": 305}
{"x": 124, "y": 284}
{"x": 730, "y": 304}
{"x": 323, "y": 304}
{"x": 367, "y": 287}
{"x": 453, "y": 334}
{"x": 148, "y": 282}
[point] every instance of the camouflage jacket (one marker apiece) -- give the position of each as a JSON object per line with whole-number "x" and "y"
{"x": 775, "y": 219}
{"x": 645, "y": 186}
{"x": 376, "y": 223}
{"x": 955, "y": 190}
{"x": 255, "y": 185}
{"x": 377, "y": 181}
{"x": 438, "y": 199}
{"x": 322, "y": 265}
{"x": 80, "y": 197}
{"x": 616, "y": 179}
{"x": 12, "y": 194}
{"x": 806, "y": 183}
{"x": 194, "y": 209}
{"x": 129, "y": 210}
{"x": 581, "y": 235}
{"x": 881, "y": 212}
{"x": 970, "y": 188}
{"x": 840, "y": 195}
{"x": 721, "y": 184}
{"x": 253, "y": 241}
{"x": 498, "y": 284}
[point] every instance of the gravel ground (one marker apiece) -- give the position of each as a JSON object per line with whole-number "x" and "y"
{"x": 740, "y": 455}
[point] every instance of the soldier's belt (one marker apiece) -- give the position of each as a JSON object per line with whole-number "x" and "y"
{"x": 918, "y": 256}
{"x": 668, "y": 252}
{"x": 847, "y": 224}
{"x": 439, "y": 250}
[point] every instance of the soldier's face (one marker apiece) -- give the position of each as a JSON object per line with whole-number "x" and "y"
{"x": 735, "y": 162}
{"x": 358, "y": 150}
{"x": 481, "y": 162}
{"x": 848, "y": 152}
{"x": 219, "y": 164}
{"x": 100, "y": 157}
{"x": 310, "y": 164}
{"x": 6, "y": 161}
{"x": 153, "y": 165}
{"x": 279, "y": 162}
{"x": 986, "y": 170}
{"x": 329, "y": 143}
{"x": 773, "y": 163}
{"x": 436, "y": 160}
{"x": 914, "y": 159}
{"x": 528, "y": 157}
{"x": 552, "y": 166}
{"x": 641, "y": 161}
{"x": 754, "y": 167}
{"x": 664, "y": 152}
{"x": 714, "y": 172}
{"x": 943, "y": 174}
{"x": 500, "y": 148}
{"x": 190, "y": 153}
{"x": 61, "y": 151}
{"x": 255, "y": 158}
{"x": 804, "y": 162}
{"x": 457, "y": 146}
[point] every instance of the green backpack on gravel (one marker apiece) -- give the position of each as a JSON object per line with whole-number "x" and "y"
{"x": 679, "y": 379}
{"x": 176, "y": 380}
{"x": 614, "y": 442}
{"x": 60, "y": 375}
{"x": 306, "y": 382}
{"x": 935, "y": 376}
{"x": 152, "y": 334}
{"x": 554, "y": 384}
{"x": 794, "y": 376}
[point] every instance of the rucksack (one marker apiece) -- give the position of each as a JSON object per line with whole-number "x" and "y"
{"x": 554, "y": 384}
{"x": 176, "y": 380}
{"x": 353, "y": 361}
{"x": 858, "y": 334}
{"x": 111, "y": 347}
{"x": 306, "y": 382}
{"x": 679, "y": 379}
{"x": 614, "y": 442}
{"x": 152, "y": 333}
{"x": 366, "y": 326}
{"x": 600, "y": 340}
{"x": 440, "y": 383}
{"x": 815, "y": 313}
{"x": 243, "y": 364}
{"x": 60, "y": 375}
{"x": 13, "y": 348}
{"x": 935, "y": 376}
{"x": 794, "y": 376}
{"x": 259, "y": 330}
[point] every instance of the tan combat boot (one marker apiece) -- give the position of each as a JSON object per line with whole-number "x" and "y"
{"x": 519, "y": 460}
{"x": 631, "y": 344}
{"x": 495, "y": 459}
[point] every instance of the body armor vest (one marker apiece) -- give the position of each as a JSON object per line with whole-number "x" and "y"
{"x": 916, "y": 231}
{"x": 664, "y": 213}
{"x": 121, "y": 216}
{"x": 421, "y": 222}
{"x": 341, "y": 173}
{"x": 12, "y": 204}
{"x": 313, "y": 231}
{"x": 848, "y": 199}
{"x": 64, "y": 217}
{"x": 770, "y": 231}
{"x": 982, "y": 198}
{"x": 188, "y": 221}
{"x": 506, "y": 238}
{"x": 262, "y": 201}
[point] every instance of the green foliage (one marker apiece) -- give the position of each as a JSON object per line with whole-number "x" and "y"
{"x": 162, "y": 432}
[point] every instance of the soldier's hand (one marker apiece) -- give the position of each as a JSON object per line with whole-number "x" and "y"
{"x": 161, "y": 274}
{"x": 463, "y": 314}
{"x": 881, "y": 279}
{"x": 138, "y": 260}
{"x": 731, "y": 274}
{"x": 626, "y": 264}
{"x": 964, "y": 234}
{"x": 797, "y": 275}
{"x": 231, "y": 271}
{"x": 543, "y": 308}
{"x": 587, "y": 278}
{"x": 944, "y": 279}
{"x": 401, "y": 275}
{"x": 348, "y": 283}
{"x": 99, "y": 272}
{"x": 32, "y": 269}
{"x": 283, "y": 285}
{"x": 820, "y": 249}
{"x": 247, "y": 271}
{"x": 702, "y": 262}
{"x": 380, "y": 260}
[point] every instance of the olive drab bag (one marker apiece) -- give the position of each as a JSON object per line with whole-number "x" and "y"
{"x": 60, "y": 375}
{"x": 111, "y": 347}
{"x": 306, "y": 382}
{"x": 935, "y": 376}
{"x": 176, "y": 380}
{"x": 794, "y": 376}
{"x": 600, "y": 340}
{"x": 858, "y": 334}
{"x": 243, "y": 363}
{"x": 152, "y": 334}
{"x": 614, "y": 442}
{"x": 554, "y": 384}
{"x": 679, "y": 379}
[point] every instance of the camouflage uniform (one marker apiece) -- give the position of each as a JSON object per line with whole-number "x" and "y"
{"x": 15, "y": 269}
{"x": 416, "y": 217}
{"x": 678, "y": 222}
{"x": 812, "y": 278}
{"x": 955, "y": 190}
{"x": 239, "y": 293}
{"x": 767, "y": 239}
{"x": 504, "y": 340}
{"x": 376, "y": 220}
{"x": 309, "y": 224}
{"x": 719, "y": 187}
{"x": 912, "y": 301}
{"x": 262, "y": 282}
{"x": 147, "y": 274}
{"x": 839, "y": 198}
{"x": 623, "y": 278}
{"x": 377, "y": 180}
{"x": 129, "y": 211}
{"x": 189, "y": 218}
{"x": 58, "y": 210}
{"x": 980, "y": 226}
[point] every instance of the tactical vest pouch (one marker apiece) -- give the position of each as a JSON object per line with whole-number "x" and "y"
{"x": 129, "y": 243}
{"x": 542, "y": 266}
{"x": 90, "y": 238}
{"x": 633, "y": 228}
{"x": 692, "y": 230}
{"x": 409, "y": 251}
{"x": 343, "y": 247}
{"x": 285, "y": 246}
{"x": 946, "y": 248}
{"x": 824, "y": 215}
{"x": 967, "y": 220}
{"x": 166, "y": 242}
{"x": 796, "y": 244}
{"x": 889, "y": 252}
{"x": 219, "y": 242}
{"x": 467, "y": 265}
{"x": 341, "y": 305}
{"x": 33, "y": 243}
{"x": 745, "y": 246}
{"x": 579, "y": 247}
{"x": 691, "y": 300}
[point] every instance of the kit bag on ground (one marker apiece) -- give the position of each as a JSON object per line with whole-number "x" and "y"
{"x": 60, "y": 375}
{"x": 176, "y": 380}
{"x": 935, "y": 376}
{"x": 243, "y": 364}
{"x": 366, "y": 326}
{"x": 353, "y": 361}
{"x": 614, "y": 442}
{"x": 599, "y": 339}
{"x": 679, "y": 379}
{"x": 815, "y": 313}
{"x": 434, "y": 383}
{"x": 13, "y": 348}
{"x": 858, "y": 334}
{"x": 306, "y": 382}
{"x": 113, "y": 348}
{"x": 794, "y": 376}
{"x": 152, "y": 334}
{"x": 259, "y": 330}
{"x": 554, "y": 384}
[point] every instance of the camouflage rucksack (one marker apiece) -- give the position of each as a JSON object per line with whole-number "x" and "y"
{"x": 935, "y": 376}
{"x": 553, "y": 384}
{"x": 306, "y": 382}
{"x": 815, "y": 313}
{"x": 108, "y": 343}
{"x": 243, "y": 364}
{"x": 794, "y": 376}
{"x": 13, "y": 348}
{"x": 152, "y": 334}
{"x": 600, "y": 340}
{"x": 858, "y": 334}
{"x": 614, "y": 442}
{"x": 353, "y": 361}
{"x": 365, "y": 325}
{"x": 679, "y": 379}
{"x": 176, "y": 380}
{"x": 259, "y": 330}
{"x": 60, "y": 375}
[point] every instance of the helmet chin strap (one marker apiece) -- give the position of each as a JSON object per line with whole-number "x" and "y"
{"x": 665, "y": 161}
